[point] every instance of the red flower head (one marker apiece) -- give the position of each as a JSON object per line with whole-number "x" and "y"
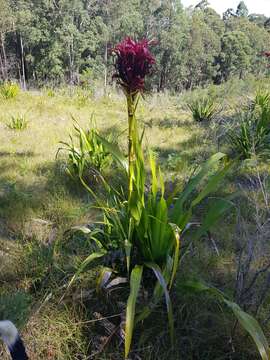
{"x": 133, "y": 62}
{"x": 267, "y": 54}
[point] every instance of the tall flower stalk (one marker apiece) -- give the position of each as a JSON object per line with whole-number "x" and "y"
{"x": 133, "y": 62}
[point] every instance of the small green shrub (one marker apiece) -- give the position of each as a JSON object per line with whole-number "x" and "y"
{"x": 87, "y": 156}
{"x": 50, "y": 93}
{"x": 252, "y": 137}
{"x": 203, "y": 109}
{"x": 9, "y": 90}
{"x": 18, "y": 122}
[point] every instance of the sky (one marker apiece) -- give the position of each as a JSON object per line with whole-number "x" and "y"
{"x": 254, "y": 6}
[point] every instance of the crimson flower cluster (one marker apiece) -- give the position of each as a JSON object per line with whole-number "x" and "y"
{"x": 133, "y": 62}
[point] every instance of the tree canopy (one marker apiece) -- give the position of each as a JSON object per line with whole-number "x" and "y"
{"x": 58, "y": 41}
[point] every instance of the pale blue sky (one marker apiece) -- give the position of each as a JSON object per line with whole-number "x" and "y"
{"x": 254, "y": 6}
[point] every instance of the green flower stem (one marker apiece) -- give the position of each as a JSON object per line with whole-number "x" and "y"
{"x": 132, "y": 138}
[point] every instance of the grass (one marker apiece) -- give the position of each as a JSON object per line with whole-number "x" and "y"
{"x": 39, "y": 204}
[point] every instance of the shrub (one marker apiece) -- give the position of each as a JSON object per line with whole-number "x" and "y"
{"x": 252, "y": 137}
{"x": 87, "y": 156}
{"x": 9, "y": 90}
{"x": 18, "y": 122}
{"x": 203, "y": 109}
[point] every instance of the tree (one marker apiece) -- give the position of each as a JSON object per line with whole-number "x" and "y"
{"x": 242, "y": 9}
{"x": 202, "y": 49}
{"x": 258, "y": 19}
{"x": 6, "y": 25}
{"x": 235, "y": 56}
{"x": 61, "y": 40}
{"x": 202, "y": 5}
{"x": 228, "y": 14}
{"x": 169, "y": 29}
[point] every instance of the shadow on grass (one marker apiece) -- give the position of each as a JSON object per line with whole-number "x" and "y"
{"x": 51, "y": 194}
{"x": 193, "y": 151}
{"x": 17, "y": 154}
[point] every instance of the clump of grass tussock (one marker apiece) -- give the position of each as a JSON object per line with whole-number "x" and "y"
{"x": 18, "y": 122}
{"x": 9, "y": 90}
{"x": 204, "y": 109}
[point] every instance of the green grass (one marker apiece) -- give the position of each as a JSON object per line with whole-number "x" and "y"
{"x": 39, "y": 204}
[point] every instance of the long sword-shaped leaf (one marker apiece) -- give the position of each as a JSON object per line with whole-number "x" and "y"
{"x": 135, "y": 282}
{"x": 219, "y": 208}
{"x": 251, "y": 325}
{"x": 115, "y": 152}
{"x": 176, "y": 232}
{"x": 248, "y": 322}
{"x": 158, "y": 273}
{"x": 195, "y": 181}
{"x": 157, "y": 294}
{"x": 84, "y": 264}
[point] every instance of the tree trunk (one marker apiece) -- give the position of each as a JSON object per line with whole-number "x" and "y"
{"x": 22, "y": 64}
{"x": 2, "y": 67}
{"x": 71, "y": 60}
{"x": 3, "y": 58}
{"x": 105, "y": 69}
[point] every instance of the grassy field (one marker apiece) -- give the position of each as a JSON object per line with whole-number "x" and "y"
{"x": 39, "y": 204}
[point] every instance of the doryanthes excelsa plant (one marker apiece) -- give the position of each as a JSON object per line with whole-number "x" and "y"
{"x": 149, "y": 225}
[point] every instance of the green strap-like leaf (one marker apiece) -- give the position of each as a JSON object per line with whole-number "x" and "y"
{"x": 251, "y": 325}
{"x": 216, "y": 211}
{"x": 176, "y": 232}
{"x": 248, "y": 322}
{"x": 157, "y": 271}
{"x": 84, "y": 264}
{"x": 135, "y": 282}
{"x": 114, "y": 150}
{"x": 194, "y": 182}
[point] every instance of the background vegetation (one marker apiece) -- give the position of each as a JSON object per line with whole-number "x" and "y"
{"x": 70, "y": 40}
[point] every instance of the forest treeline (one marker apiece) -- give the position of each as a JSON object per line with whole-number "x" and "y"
{"x": 56, "y": 41}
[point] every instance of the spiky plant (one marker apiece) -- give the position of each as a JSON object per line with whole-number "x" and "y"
{"x": 203, "y": 109}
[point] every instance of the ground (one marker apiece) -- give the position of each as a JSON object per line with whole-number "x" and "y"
{"x": 39, "y": 204}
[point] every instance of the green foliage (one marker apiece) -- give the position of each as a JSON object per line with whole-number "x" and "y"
{"x": 87, "y": 156}
{"x": 153, "y": 231}
{"x": 203, "y": 109}
{"x": 252, "y": 138}
{"x": 135, "y": 282}
{"x": 242, "y": 9}
{"x": 235, "y": 56}
{"x": 9, "y": 90}
{"x": 194, "y": 47}
{"x": 18, "y": 122}
{"x": 50, "y": 93}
